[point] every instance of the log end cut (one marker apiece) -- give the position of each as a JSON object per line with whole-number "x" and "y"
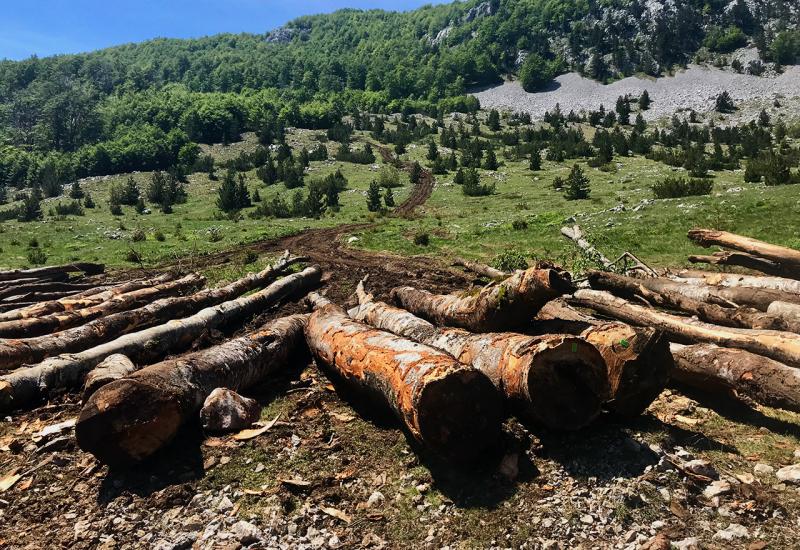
{"x": 460, "y": 414}
{"x": 126, "y": 421}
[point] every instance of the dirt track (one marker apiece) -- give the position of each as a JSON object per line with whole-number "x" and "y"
{"x": 421, "y": 191}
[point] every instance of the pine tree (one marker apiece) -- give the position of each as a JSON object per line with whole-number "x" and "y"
{"x": 452, "y": 161}
{"x": 242, "y": 193}
{"x": 416, "y": 173}
{"x": 298, "y": 204}
{"x": 459, "y": 177}
{"x": 494, "y": 120}
{"x": 763, "y": 119}
{"x": 88, "y": 201}
{"x": 644, "y": 101}
{"x": 130, "y": 192}
{"x": 640, "y": 125}
{"x": 577, "y": 184}
{"x": 433, "y": 151}
{"x": 140, "y": 207}
{"x": 536, "y": 161}
{"x": 491, "y": 160}
{"x": 374, "y": 197}
{"x": 156, "y": 187}
{"x": 724, "y": 103}
{"x": 75, "y": 191}
{"x": 31, "y": 208}
{"x": 256, "y": 196}
{"x": 227, "y": 199}
{"x": 3, "y": 194}
{"x": 332, "y": 193}
{"x": 267, "y": 173}
{"x": 388, "y": 198}
{"x": 315, "y": 201}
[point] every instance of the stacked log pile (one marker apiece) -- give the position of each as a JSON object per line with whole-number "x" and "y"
{"x": 25, "y": 287}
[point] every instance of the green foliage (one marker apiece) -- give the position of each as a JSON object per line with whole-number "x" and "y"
{"x": 724, "y": 103}
{"x": 472, "y": 186}
{"x": 725, "y": 40}
{"x": 374, "y": 197}
{"x": 509, "y": 261}
{"x": 675, "y": 187}
{"x": 576, "y": 186}
{"x": 31, "y": 208}
{"x": 536, "y": 72}
{"x": 232, "y": 194}
{"x": 785, "y": 47}
{"x": 75, "y": 191}
{"x": 37, "y": 256}
{"x": 422, "y": 239}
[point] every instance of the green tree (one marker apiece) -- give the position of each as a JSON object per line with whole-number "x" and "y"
{"x": 75, "y": 191}
{"x": 31, "y": 208}
{"x": 644, "y": 101}
{"x": 494, "y": 120}
{"x": 228, "y": 193}
{"x": 315, "y": 201}
{"x": 374, "y": 197}
{"x": 576, "y": 186}
{"x": 536, "y": 161}
{"x": 433, "y": 151}
{"x": 536, "y": 72}
{"x": 388, "y": 198}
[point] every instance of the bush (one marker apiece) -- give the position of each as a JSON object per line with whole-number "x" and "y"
{"x": 724, "y": 103}
{"x": 576, "y": 184}
{"x": 519, "y": 225}
{"x": 159, "y": 236}
{"x": 536, "y": 72}
{"x": 422, "y": 239}
{"x": 509, "y": 261}
{"x": 725, "y": 40}
{"x": 250, "y": 257}
{"x": 72, "y": 208}
{"x": 389, "y": 176}
{"x": 214, "y": 234}
{"x": 36, "y": 256}
{"x": 672, "y": 188}
{"x": 472, "y": 186}
{"x": 133, "y": 256}
{"x": 115, "y": 209}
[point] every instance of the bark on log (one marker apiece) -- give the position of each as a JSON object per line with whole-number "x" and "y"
{"x": 24, "y": 386}
{"x": 45, "y": 287}
{"x": 695, "y": 277}
{"x": 51, "y": 271}
{"x": 130, "y": 419}
{"x": 14, "y": 353}
{"x": 35, "y": 326}
{"x": 637, "y": 358}
{"x": 790, "y": 313}
{"x": 505, "y": 305}
{"x": 709, "y": 367}
{"x": 787, "y": 258}
{"x": 740, "y": 259}
{"x": 555, "y": 380}
{"x": 447, "y": 406}
{"x": 665, "y": 293}
{"x": 575, "y": 234}
{"x": 480, "y": 269}
{"x": 4, "y": 285}
{"x": 780, "y": 346}
{"x": 111, "y": 368}
{"x": 84, "y": 299}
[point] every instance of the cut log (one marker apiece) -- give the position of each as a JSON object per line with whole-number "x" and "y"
{"x": 18, "y": 290}
{"x": 111, "y": 368}
{"x": 694, "y": 277}
{"x": 505, "y": 305}
{"x": 4, "y": 285}
{"x": 672, "y": 295}
{"x": 790, "y": 313}
{"x": 14, "y": 353}
{"x": 709, "y": 367}
{"x": 556, "y": 380}
{"x": 575, "y": 234}
{"x": 130, "y": 419}
{"x": 780, "y": 346}
{"x": 24, "y": 386}
{"x": 52, "y": 271}
{"x": 480, "y": 269}
{"x": 637, "y": 358}
{"x": 451, "y": 408}
{"x": 35, "y": 326}
{"x": 84, "y": 299}
{"x": 739, "y": 259}
{"x": 787, "y": 258}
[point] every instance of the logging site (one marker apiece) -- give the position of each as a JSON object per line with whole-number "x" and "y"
{"x": 490, "y": 274}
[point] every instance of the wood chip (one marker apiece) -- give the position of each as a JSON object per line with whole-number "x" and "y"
{"x": 338, "y": 514}
{"x": 687, "y": 420}
{"x": 251, "y": 433}
{"x": 296, "y": 482}
{"x": 678, "y": 510}
{"x": 9, "y": 480}
{"x": 343, "y": 417}
{"x": 349, "y": 473}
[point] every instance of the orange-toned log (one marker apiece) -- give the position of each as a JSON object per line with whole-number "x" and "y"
{"x": 83, "y": 300}
{"x": 783, "y": 347}
{"x": 637, "y": 358}
{"x": 129, "y": 419}
{"x": 788, "y": 259}
{"x": 506, "y": 305}
{"x": 709, "y": 367}
{"x": 35, "y": 326}
{"x": 555, "y": 380}
{"x": 451, "y": 408}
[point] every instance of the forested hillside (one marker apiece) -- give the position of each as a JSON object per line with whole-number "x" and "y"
{"x": 145, "y": 106}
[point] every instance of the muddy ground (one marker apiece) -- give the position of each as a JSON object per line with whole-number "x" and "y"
{"x": 334, "y": 472}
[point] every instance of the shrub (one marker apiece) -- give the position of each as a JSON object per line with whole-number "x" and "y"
{"x": 509, "y": 261}
{"x": 159, "y": 236}
{"x": 724, "y": 103}
{"x": 115, "y": 209}
{"x": 673, "y": 187}
{"x": 133, "y": 256}
{"x": 472, "y": 186}
{"x": 36, "y": 256}
{"x": 33, "y": 243}
{"x": 422, "y": 239}
{"x": 519, "y": 225}
{"x": 576, "y": 184}
{"x": 249, "y": 257}
{"x": 138, "y": 236}
{"x": 72, "y": 208}
{"x": 214, "y": 234}
{"x": 389, "y": 177}
{"x": 536, "y": 72}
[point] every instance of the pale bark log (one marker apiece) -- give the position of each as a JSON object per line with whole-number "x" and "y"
{"x": 480, "y": 269}
{"x": 505, "y": 305}
{"x": 709, "y": 367}
{"x": 790, "y": 313}
{"x": 694, "y": 277}
{"x": 24, "y": 386}
{"x": 787, "y": 258}
{"x": 35, "y": 326}
{"x": 58, "y": 270}
{"x": 780, "y": 346}
{"x": 18, "y": 290}
{"x": 111, "y": 368}
{"x": 447, "y": 406}
{"x": 555, "y": 380}
{"x": 575, "y": 234}
{"x": 130, "y": 419}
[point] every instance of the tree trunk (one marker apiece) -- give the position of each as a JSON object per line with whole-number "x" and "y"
{"x": 781, "y": 346}
{"x": 52, "y": 271}
{"x": 480, "y": 269}
{"x": 768, "y": 382}
{"x": 130, "y": 419}
{"x": 790, "y": 313}
{"x": 24, "y": 386}
{"x": 694, "y": 277}
{"x": 5, "y": 285}
{"x": 740, "y": 259}
{"x": 35, "y": 326}
{"x": 505, "y": 305}
{"x": 45, "y": 287}
{"x": 555, "y": 380}
{"x": 111, "y": 368}
{"x": 787, "y": 258}
{"x": 449, "y": 407}
{"x": 575, "y": 234}
{"x": 637, "y": 358}
{"x": 83, "y": 300}
{"x": 672, "y": 295}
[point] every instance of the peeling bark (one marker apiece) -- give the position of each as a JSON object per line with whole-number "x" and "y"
{"x": 505, "y": 305}
{"x": 556, "y": 380}
{"x": 24, "y": 386}
{"x": 447, "y": 406}
{"x": 51, "y": 287}
{"x": 130, "y": 419}
{"x": 111, "y": 368}
{"x": 708, "y": 367}
{"x": 787, "y": 258}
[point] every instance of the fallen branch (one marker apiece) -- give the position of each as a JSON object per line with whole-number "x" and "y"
{"x": 130, "y": 419}
{"x": 449, "y": 407}
{"x": 787, "y": 259}
{"x": 637, "y": 358}
{"x": 24, "y": 386}
{"x": 781, "y": 346}
{"x": 505, "y": 305}
{"x": 709, "y": 367}
{"x": 575, "y": 234}
{"x": 34, "y": 326}
{"x": 45, "y": 287}
{"x": 556, "y": 380}
{"x": 51, "y": 271}
{"x": 739, "y": 259}
{"x": 480, "y": 269}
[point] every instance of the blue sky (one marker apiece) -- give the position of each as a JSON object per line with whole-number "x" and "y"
{"x": 47, "y": 27}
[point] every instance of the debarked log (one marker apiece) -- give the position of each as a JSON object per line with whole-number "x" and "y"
{"x": 787, "y": 258}
{"x": 696, "y": 277}
{"x": 506, "y": 305}
{"x": 449, "y": 407}
{"x": 129, "y": 419}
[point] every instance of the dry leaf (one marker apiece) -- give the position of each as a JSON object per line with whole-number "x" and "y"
{"x": 224, "y": 460}
{"x": 209, "y": 463}
{"x": 9, "y": 480}
{"x": 214, "y": 442}
{"x": 343, "y": 417}
{"x": 244, "y": 435}
{"x": 25, "y": 485}
{"x": 296, "y": 482}
{"x": 347, "y": 474}
{"x": 338, "y": 514}
{"x": 330, "y": 387}
{"x": 678, "y": 510}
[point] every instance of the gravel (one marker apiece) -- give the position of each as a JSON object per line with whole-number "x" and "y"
{"x": 694, "y": 88}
